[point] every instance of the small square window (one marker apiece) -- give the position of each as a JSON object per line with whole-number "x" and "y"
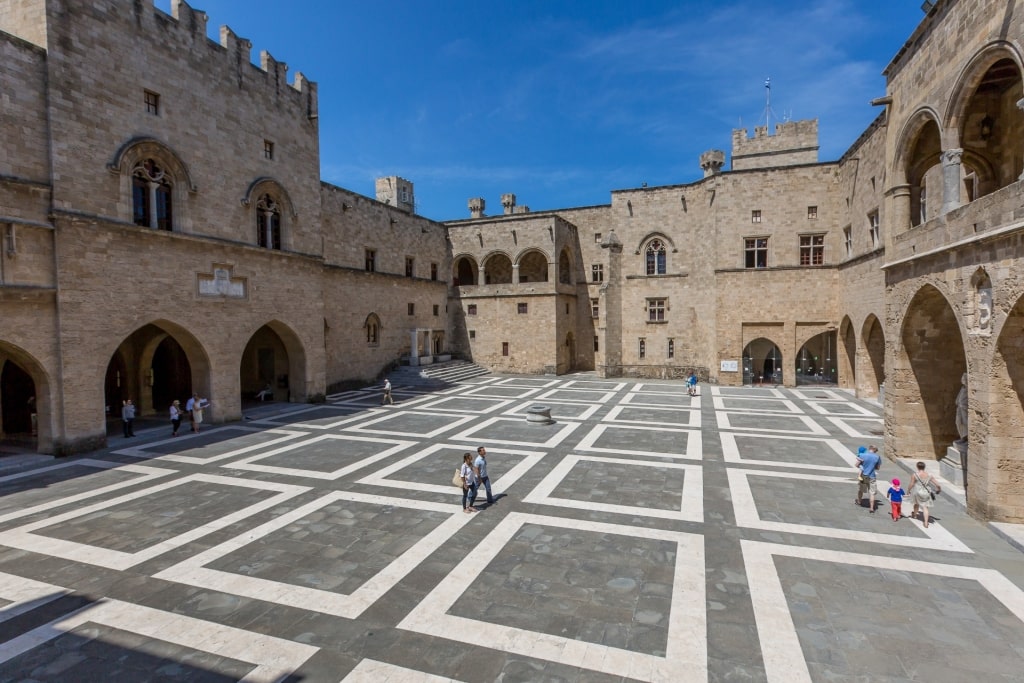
{"x": 643, "y": 349}
{"x": 433, "y": 271}
{"x": 152, "y": 100}
{"x": 597, "y": 272}
{"x": 472, "y": 334}
{"x": 437, "y": 309}
{"x": 523, "y": 308}
{"x": 755, "y": 216}
{"x": 409, "y": 263}
{"x": 412, "y": 309}
{"x": 595, "y": 308}
{"x": 755, "y": 252}
{"x": 656, "y": 310}
{"x": 471, "y": 309}
{"x": 268, "y": 149}
{"x": 504, "y": 348}
{"x": 597, "y": 238}
{"x": 371, "y": 260}
{"x": 812, "y": 213}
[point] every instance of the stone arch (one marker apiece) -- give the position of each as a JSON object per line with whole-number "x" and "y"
{"x": 497, "y": 269}
{"x": 654, "y": 251}
{"x": 872, "y": 344}
{"x": 136, "y": 151}
{"x": 983, "y": 113}
{"x": 656, "y": 234}
{"x": 916, "y": 165}
{"x": 846, "y": 360}
{"x": 565, "y": 267}
{"x": 15, "y": 364}
{"x": 274, "y": 353}
{"x": 268, "y": 201}
{"x": 373, "y": 327}
{"x": 930, "y": 360}
{"x": 161, "y": 360}
{"x": 533, "y": 266}
{"x": 815, "y": 361}
{"x": 762, "y": 362}
{"x": 465, "y": 271}
{"x": 999, "y": 473}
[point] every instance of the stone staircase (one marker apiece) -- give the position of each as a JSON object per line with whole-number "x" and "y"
{"x": 436, "y": 375}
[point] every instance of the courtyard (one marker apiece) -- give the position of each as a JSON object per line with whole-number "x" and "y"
{"x": 645, "y": 535}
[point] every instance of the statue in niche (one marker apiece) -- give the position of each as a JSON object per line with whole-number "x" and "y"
{"x": 984, "y": 308}
{"x": 961, "y": 410}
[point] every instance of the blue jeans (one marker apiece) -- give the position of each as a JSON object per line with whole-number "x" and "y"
{"x": 469, "y": 493}
{"x": 487, "y": 487}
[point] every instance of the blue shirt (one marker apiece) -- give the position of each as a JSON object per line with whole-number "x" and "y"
{"x": 896, "y": 495}
{"x": 481, "y": 465}
{"x": 869, "y": 462}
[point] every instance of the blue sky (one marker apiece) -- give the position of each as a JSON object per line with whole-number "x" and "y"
{"x": 561, "y": 102}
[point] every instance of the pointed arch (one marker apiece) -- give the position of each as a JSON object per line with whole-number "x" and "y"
{"x": 373, "y": 328}
{"x": 21, "y": 408}
{"x": 871, "y": 376}
{"x": 533, "y": 265}
{"x": 274, "y": 352}
{"x": 155, "y": 184}
{"x": 497, "y": 268}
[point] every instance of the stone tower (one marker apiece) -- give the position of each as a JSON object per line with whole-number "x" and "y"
{"x": 396, "y": 192}
{"x": 712, "y": 162}
{"x": 476, "y": 207}
{"x": 794, "y": 143}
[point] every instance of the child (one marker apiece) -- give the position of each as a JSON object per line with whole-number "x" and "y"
{"x": 895, "y": 496}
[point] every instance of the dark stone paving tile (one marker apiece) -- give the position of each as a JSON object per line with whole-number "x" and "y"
{"x": 618, "y": 484}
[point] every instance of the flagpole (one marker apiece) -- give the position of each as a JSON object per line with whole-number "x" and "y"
{"x": 768, "y": 104}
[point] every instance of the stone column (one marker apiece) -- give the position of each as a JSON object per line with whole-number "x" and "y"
{"x": 1020, "y": 105}
{"x": 900, "y": 208}
{"x": 515, "y": 274}
{"x": 414, "y": 350}
{"x": 951, "y": 180}
{"x": 480, "y": 275}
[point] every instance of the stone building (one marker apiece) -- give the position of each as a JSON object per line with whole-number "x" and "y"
{"x": 165, "y": 232}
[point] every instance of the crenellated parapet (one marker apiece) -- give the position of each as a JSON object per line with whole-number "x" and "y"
{"x": 793, "y": 143}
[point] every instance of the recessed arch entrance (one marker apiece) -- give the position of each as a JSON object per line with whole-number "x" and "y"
{"x": 274, "y": 355}
{"x": 533, "y": 267}
{"x": 1005, "y": 461}
{"x": 816, "y": 360}
{"x": 930, "y": 363}
{"x": 847, "y": 355}
{"x": 872, "y": 374}
{"x": 465, "y": 271}
{"x": 762, "y": 362}
{"x": 26, "y": 404}
{"x": 153, "y": 366}
{"x": 498, "y": 270}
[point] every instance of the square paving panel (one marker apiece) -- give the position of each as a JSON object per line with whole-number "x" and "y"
{"x": 796, "y": 452}
{"x": 527, "y": 382}
{"x": 114, "y": 640}
{"x": 812, "y": 628}
{"x": 747, "y": 392}
{"x": 319, "y": 417}
{"x": 125, "y": 531}
{"x": 500, "y": 391}
{"x": 211, "y": 445}
{"x": 627, "y": 487}
{"x": 809, "y": 394}
{"x": 861, "y": 427}
{"x": 677, "y": 388}
{"x": 50, "y": 487}
{"x": 559, "y": 590}
{"x": 326, "y": 456}
{"x": 770, "y": 423}
{"x": 508, "y": 431}
{"x": 660, "y": 442}
{"x": 661, "y": 399}
{"x": 422, "y": 425}
{"x": 816, "y": 505}
{"x": 760, "y": 405}
{"x": 431, "y": 469}
{"x": 341, "y": 553}
{"x": 565, "y": 410}
{"x": 475, "y": 405}
{"x": 573, "y": 394}
{"x": 840, "y": 408}
{"x": 593, "y": 385}
{"x": 652, "y": 415}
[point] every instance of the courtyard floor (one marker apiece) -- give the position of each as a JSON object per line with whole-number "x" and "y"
{"x": 644, "y": 536}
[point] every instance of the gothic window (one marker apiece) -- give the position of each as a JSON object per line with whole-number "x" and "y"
{"x": 372, "y": 330}
{"x": 268, "y": 223}
{"x": 656, "y": 257}
{"x": 151, "y": 196}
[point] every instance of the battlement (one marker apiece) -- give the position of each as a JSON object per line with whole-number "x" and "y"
{"x": 794, "y": 142}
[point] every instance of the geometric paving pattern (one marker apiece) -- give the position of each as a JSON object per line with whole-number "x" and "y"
{"x": 646, "y": 535}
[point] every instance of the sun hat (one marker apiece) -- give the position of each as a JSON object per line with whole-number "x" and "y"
{"x": 895, "y": 482}
{"x": 862, "y": 450}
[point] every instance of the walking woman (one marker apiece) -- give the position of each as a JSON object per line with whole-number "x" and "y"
{"x": 923, "y": 489}
{"x": 469, "y": 483}
{"x": 175, "y": 417}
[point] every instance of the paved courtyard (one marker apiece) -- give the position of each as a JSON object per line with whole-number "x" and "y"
{"x": 644, "y": 536}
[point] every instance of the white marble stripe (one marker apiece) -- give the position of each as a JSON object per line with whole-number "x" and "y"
{"x": 450, "y": 422}
{"x": 731, "y": 452}
{"x": 477, "y": 433}
{"x": 748, "y": 392}
{"x": 851, "y": 431}
{"x": 148, "y": 474}
{"x": 821, "y": 407}
{"x": 372, "y": 671}
{"x": 938, "y": 537}
{"x": 694, "y": 443}
{"x": 787, "y": 407}
{"x": 482, "y": 407}
{"x": 142, "y": 451}
{"x": 23, "y": 538}
{"x": 812, "y": 426}
{"x": 603, "y": 386}
{"x": 25, "y": 595}
{"x": 641, "y": 399}
{"x": 248, "y": 464}
{"x": 691, "y": 498}
{"x": 591, "y": 408}
{"x": 572, "y": 394}
{"x": 346, "y": 419}
{"x": 194, "y": 572}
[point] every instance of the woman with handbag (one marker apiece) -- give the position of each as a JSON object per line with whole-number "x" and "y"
{"x": 469, "y": 483}
{"x": 923, "y": 489}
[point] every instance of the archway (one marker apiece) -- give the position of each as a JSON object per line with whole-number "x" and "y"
{"x": 931, "y": 362}
{"x": 564, "y": 268}
{"x": 533, "y": 267}
{"x": 870, "y": 379}
{"x": 1005, "y": 461}
{"x": 762, "y": 362}
{"x": 816, "y": 360}
{"x": 273, "y": 356}
{"x": 153, "y": 366}
{"x": 570, "y": 351}
{"x": 498, "y": 270}
{"x": 27, "y": 409}
{"x": 465, "y": 272}
{"x": 924, "y": 174}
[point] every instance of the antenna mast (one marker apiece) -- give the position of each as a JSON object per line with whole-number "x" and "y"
{"x": 768, "y": 104}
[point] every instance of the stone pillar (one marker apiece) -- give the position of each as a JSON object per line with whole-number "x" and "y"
{"x": 481, "y": 277}
{"x": 515, "y": 273}
{"x": 414, "y": 350}
{"x": 951, "y": 180}
{"x": 1020, "y": 105}
{"x": 900, "y": 208}
{"x": 610, "y": 337}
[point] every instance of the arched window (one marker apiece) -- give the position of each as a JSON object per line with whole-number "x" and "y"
{"x": 656, "y": 257}
{"x": 268, "y": 223}
{"x": 151, "y": 196}
{"x": 372, "y": 326}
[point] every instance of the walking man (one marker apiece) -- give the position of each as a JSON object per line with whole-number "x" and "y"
{"x": 387, "y": 393}
{"x": 128, "y": 417}
{"x": 868, "y": 461}
{"x": 480, "y": 464}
